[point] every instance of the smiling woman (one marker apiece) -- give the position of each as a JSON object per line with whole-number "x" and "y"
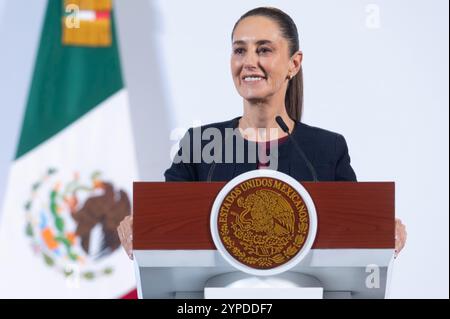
{"x": 274, "y": 44}
{"x": 266, "y": 66}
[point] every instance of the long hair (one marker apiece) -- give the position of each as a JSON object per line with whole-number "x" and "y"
{"x": 294, "y": 93}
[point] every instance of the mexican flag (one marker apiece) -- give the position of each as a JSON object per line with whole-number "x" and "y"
{"x": 71, "y": 181}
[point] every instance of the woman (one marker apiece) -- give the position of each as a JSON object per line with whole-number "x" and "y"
{"x": 266, "y": 68}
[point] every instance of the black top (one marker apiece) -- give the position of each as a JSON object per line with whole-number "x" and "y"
{"x": 327, "y": 151}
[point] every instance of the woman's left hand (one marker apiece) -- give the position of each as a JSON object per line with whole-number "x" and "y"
{"x": 400, "y": 236}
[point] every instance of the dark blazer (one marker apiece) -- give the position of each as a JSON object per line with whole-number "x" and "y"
{"x": 327, "y": 151}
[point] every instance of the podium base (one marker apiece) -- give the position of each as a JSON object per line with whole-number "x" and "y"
{"x": 237, "y": 285}
{"x": 201, "y": 295}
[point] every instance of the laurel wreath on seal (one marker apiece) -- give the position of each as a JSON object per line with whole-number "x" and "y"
{"x": 266, "y": 261}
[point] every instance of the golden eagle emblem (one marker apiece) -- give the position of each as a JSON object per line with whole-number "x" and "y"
{"x": 263, "y": 222}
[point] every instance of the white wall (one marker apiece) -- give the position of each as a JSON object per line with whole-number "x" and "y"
{"x": 385, "y": 89}
{"x": 144, "y": 72}
{"x": 20, "y": 28}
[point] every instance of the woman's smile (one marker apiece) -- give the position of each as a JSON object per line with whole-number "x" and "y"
{"x": 253, "y": 80}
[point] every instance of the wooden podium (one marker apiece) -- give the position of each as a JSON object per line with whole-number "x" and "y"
{"x": 351, "y": 256}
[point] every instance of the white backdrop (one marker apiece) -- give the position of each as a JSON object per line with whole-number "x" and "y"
{"x": 375, "y": 71}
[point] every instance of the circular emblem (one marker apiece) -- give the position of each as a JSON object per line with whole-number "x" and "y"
{"x": 263, "y": 222}
{"x": 71, "y": 222}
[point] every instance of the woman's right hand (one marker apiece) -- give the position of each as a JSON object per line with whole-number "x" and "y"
{"x": 125, "y": 231}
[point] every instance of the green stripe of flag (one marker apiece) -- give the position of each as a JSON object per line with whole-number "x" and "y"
{"x": 67, "y": 81}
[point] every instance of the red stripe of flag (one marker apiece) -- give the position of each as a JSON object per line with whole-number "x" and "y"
{"x": 131, "y": 295}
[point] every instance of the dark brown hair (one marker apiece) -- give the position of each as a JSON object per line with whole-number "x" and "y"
{"x": 294, "y": 93}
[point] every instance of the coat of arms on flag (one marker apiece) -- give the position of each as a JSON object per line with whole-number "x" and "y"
{"x": 71, "y": 222}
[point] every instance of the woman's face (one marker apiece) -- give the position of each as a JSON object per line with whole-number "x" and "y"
{"x": 260, "y": 60}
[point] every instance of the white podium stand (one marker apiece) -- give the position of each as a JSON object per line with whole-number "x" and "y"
{"x": 340, "y": 273}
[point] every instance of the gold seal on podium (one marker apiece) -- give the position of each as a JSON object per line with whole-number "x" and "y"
{"x": 262, "y": 222}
